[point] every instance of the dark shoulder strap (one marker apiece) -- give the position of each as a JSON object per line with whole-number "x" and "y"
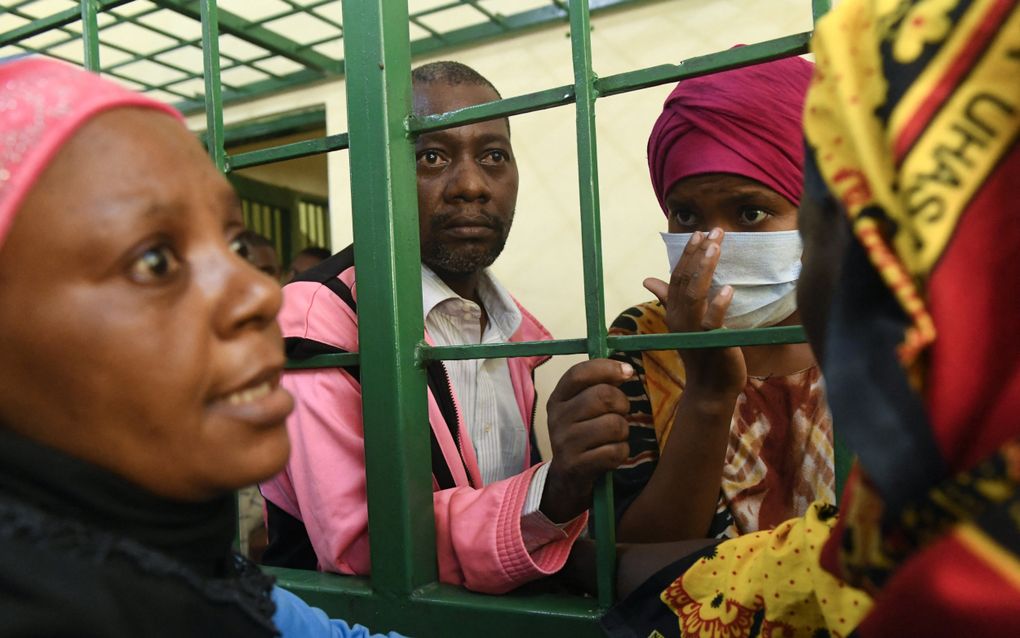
{"x": 442, "y": 390}
{"x": 327, "y": 271}
{"x": 289, "y": 544}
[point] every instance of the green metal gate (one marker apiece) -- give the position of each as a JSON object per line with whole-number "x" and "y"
{"x": 402, "y": 593}
{"x": 290, "y": 219}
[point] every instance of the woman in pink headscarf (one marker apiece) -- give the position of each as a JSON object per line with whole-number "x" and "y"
{"x": 733, "y": 440}
{"x": 139, "y": 374}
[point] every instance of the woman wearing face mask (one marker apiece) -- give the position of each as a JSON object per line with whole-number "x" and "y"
{"x": 139, "y": 374}
{"x": 725, "y": 441}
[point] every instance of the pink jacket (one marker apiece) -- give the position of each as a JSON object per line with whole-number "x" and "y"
{"x": 479, "y": 542}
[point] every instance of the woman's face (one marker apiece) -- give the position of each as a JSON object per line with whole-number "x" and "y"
{"x": 730, "y": 202}
{"x": 132, "y": 334}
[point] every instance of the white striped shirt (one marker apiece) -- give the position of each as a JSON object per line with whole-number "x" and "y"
{"x": 483, "y": 388}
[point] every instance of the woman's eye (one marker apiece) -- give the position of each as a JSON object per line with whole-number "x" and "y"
{"x": 240, "y": 247}
{"x": 752, "y": 216}
{"x": 154, "y": 265}
{"x": 685, "y": 218}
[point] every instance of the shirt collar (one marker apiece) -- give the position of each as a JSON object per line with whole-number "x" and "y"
{"x": 503, "y": 312}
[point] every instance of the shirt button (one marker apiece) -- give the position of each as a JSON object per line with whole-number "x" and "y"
{"x": 488, "y": 428}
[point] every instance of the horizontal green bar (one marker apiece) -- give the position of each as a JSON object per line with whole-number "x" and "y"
{"x": 502, "y": 350}
{"x": 443, "y": 610}
{"x": 341, "y": 360}
{"x": 616, "y": 84}
{"x": 506, "y": 107}
{"x": 626, "y": 343}
{"x": 290, "y": 124}
{"x": 288, "y": 151}
{"x": 60, "y": 19}
{"x": 711, "y": 339}
{"x": 736, "y": 57}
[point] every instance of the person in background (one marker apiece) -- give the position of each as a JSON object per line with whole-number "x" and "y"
{"x": 305, "y": 259}
{"x": 261, "y": 253}
{"x": 139, "y": 374}
{"x": 733, "y": 440}
{"x": 502, "y": 518}
{"x": 913, "y": 130}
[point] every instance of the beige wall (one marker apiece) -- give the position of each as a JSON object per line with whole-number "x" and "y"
{"x": 542, "y": 261}
{"x": 305, "y": 174}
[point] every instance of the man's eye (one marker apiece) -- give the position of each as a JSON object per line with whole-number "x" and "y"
{"x": 685, "y": 218}
{"x": 154, "y": 265}
{"x": 240, "y": 247}
{"x": 497, "y": 156}
{"x": 430, "y": 158}
{"x": 752, "y": 216}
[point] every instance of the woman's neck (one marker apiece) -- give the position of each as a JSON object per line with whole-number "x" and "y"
{"x": 197, "y": 534}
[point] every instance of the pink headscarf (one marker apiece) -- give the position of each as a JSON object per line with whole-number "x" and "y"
{"x": 745, "y": 122}
{"x": 42, "y": 103}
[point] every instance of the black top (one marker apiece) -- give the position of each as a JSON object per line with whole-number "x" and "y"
{"x": 86, "y": 553}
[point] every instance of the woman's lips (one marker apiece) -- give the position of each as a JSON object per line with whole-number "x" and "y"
{"x": 264, "y": 404}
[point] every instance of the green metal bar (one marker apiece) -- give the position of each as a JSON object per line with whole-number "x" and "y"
{"x": 594, "y": 285}
{"x": 712, "y": 339}
{"x": 442, "y": 610}
{"x": 111, "y": 69}
{"x": 540, "y": 100}
{"x": 628, "y": 343}
{"x": 341, "y": 360}
{"x": 622, "y": 343}
{"x": 619, "y": 83}
{"x": 428, "y": 353}
{"x": 90, "y": 34}
{"x": 290, "y": 151}
{"x": 522, "y": 22}
{"x": 273, "y": 127}
{"x": 260, "y": 36}
{"x": 819, "y": 8}
{"x": 211, "y": 65}
{"x": 42, "y": 25}
{"x": 498, "y": 19}
{"x": 385, "y": 205}
{"x": 783, "y": 47}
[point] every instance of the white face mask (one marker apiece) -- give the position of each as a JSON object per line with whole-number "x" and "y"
{"x": 762, "y": 268}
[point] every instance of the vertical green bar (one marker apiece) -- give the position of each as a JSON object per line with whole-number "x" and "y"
{"x": 819, "y": 8}
{"x": 591, "y": 250}
{"x": 211, "y": 72}
{"x": 90, "y": 34}
{"x": 385, "y": 202}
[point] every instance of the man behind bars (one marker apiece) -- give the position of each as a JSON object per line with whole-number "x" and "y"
{"x": 502, "y": 517}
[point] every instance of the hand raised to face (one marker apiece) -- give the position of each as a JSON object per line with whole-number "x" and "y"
{"x": 690, "y": 307}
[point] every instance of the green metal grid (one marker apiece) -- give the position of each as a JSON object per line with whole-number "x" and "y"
{"x": 273, "y": 45}
{"x": 402, "y": 593}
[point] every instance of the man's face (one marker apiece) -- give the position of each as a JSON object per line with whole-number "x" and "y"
{"x": 150, "y": 346}
{"x": 467, "y": 182}
{"x": 264, "y": 258}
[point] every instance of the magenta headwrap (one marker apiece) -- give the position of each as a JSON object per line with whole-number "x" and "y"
{"x": 745, "y": 122}
{"x": 42, "y": 103}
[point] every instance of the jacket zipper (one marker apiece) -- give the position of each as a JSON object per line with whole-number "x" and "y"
{"x": 460, "y": 421}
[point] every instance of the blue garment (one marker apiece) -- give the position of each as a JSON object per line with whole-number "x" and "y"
{"x": 295, "y": 619}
